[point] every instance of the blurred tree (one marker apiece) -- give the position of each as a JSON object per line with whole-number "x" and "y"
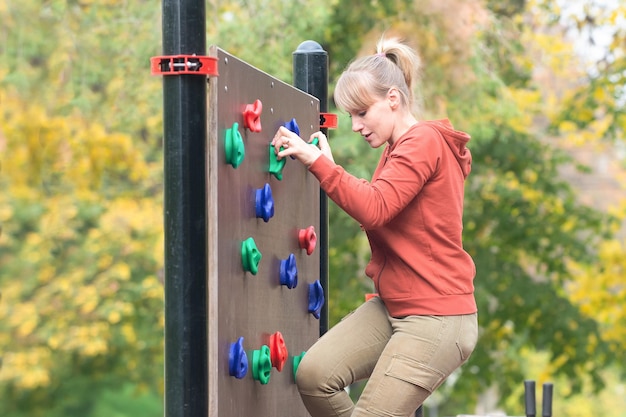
{"x": 81, "y": 251}
{"x": 87, "y": 56}
{"x": 256, "y": 33}
{"x": 80, "y": 208}
{"x": 596, "y": 107}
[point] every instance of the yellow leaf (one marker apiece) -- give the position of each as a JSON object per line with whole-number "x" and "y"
{"x": 129, "y": 333}
{"x": 114, "y": 317}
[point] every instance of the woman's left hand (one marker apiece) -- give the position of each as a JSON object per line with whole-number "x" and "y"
{"x": 293, "y": 145}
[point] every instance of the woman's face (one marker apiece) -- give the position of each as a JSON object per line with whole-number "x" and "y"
{"x": 376, "y": 123}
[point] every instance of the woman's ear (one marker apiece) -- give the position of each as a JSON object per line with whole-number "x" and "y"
{"x": 393, "y": 98}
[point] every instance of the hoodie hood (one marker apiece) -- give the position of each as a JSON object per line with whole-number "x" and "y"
{"x": 456, "y": 140}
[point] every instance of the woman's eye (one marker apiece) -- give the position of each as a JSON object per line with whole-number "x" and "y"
{"x": 362, "y": 113}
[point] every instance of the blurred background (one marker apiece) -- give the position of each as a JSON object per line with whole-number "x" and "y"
{"x": 539, "y": 84}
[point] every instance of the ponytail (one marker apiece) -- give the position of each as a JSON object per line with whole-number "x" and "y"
{"x": 369, "y": 78}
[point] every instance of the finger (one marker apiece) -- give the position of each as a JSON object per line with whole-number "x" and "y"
{"x": 314, "y": 139}
{"x": 285, "y": 132}
{"x": 277, "y": 143}
{"x": 281, "y": 143}
{"x": 275, "y": 138}
{"x": 323, "y": 142}
{"x": 282, "y": 153}
{"x": 323, "y": 145}
{"x": 280, "y": 133}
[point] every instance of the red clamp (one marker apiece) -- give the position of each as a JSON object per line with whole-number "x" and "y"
{"x": 183, "y": 64}
{"x": 328, "y": 120}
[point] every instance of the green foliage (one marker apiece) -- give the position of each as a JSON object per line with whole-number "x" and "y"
{"x": 506, "y": 9}
{"x": 126, "y": 401}
{"x": 255, "y": 32}
{"x": 352, "y": 21}
{"x": 81, "y": 299}
{"x": 604, "y": 96}
{"x": 80, "y": 206}
{"x": 87, "y": 56}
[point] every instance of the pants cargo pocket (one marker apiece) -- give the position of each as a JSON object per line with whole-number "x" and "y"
{"x": 402, "y": 387}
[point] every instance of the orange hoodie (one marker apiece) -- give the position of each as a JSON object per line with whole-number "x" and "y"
{"x": 412, "y": 212}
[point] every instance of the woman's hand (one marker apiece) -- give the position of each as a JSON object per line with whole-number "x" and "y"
{"x": 293, "y": 145}
{"x": 323, "y": 144}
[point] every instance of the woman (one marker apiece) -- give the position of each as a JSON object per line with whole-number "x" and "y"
{"x": 423, "y": 324}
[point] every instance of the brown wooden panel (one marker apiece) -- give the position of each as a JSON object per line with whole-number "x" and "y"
{"x": 242, "y": 304}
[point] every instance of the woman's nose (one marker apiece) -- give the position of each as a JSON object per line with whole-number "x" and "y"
{"x": 356, "y": 126}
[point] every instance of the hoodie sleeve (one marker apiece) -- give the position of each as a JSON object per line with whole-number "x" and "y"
{"x": 398, "y": 179}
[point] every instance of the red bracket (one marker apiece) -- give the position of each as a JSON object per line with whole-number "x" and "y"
{"x": 328, "y": 120}
{"x": 184, "y": 64}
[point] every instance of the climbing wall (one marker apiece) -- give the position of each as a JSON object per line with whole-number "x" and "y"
{"x": 264, "y": 295}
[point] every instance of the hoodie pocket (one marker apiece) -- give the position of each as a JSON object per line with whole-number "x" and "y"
{"x": 397, "y": 283}
{"x": 375, "y": 269}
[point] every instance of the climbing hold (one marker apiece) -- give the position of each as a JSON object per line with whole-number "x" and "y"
{"x": 252, "y": 116}
{"x": 278, "y": 351}
{"x": 250, "y": 256}
{"x": 289, "y": 272}
{"x": 293, "y": 126}
{"x": 237, "y": 360}
{"x": 316, "y": 298}
{"x": 276, "y": 166}
{"x": 261, "y": 364}
{"x": 233, "y": 146}
{"x": 264, "y": 203}
{"x": 296, "y": 363}
{"x": 307, "y": 239}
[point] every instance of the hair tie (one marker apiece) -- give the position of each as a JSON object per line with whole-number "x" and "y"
{"x": 381, "y": 54}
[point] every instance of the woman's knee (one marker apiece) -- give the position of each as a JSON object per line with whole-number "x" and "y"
{"x": 308, "y": 376}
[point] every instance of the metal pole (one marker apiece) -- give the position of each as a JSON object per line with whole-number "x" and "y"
{"x": 184, "y": 117}
{"x": 310, "y": 74}
{"x": 530, "y": 403}
{"x": 546, "y": 405}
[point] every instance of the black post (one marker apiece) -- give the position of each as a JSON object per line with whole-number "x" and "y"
{"x": 546, "y": 404}
{"x": 530, "y": 403}
{"x": 310, "y": 74}
{"x": 184, "y": 117}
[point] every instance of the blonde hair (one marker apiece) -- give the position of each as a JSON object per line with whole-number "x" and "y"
{"x": 369, "y": 78}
